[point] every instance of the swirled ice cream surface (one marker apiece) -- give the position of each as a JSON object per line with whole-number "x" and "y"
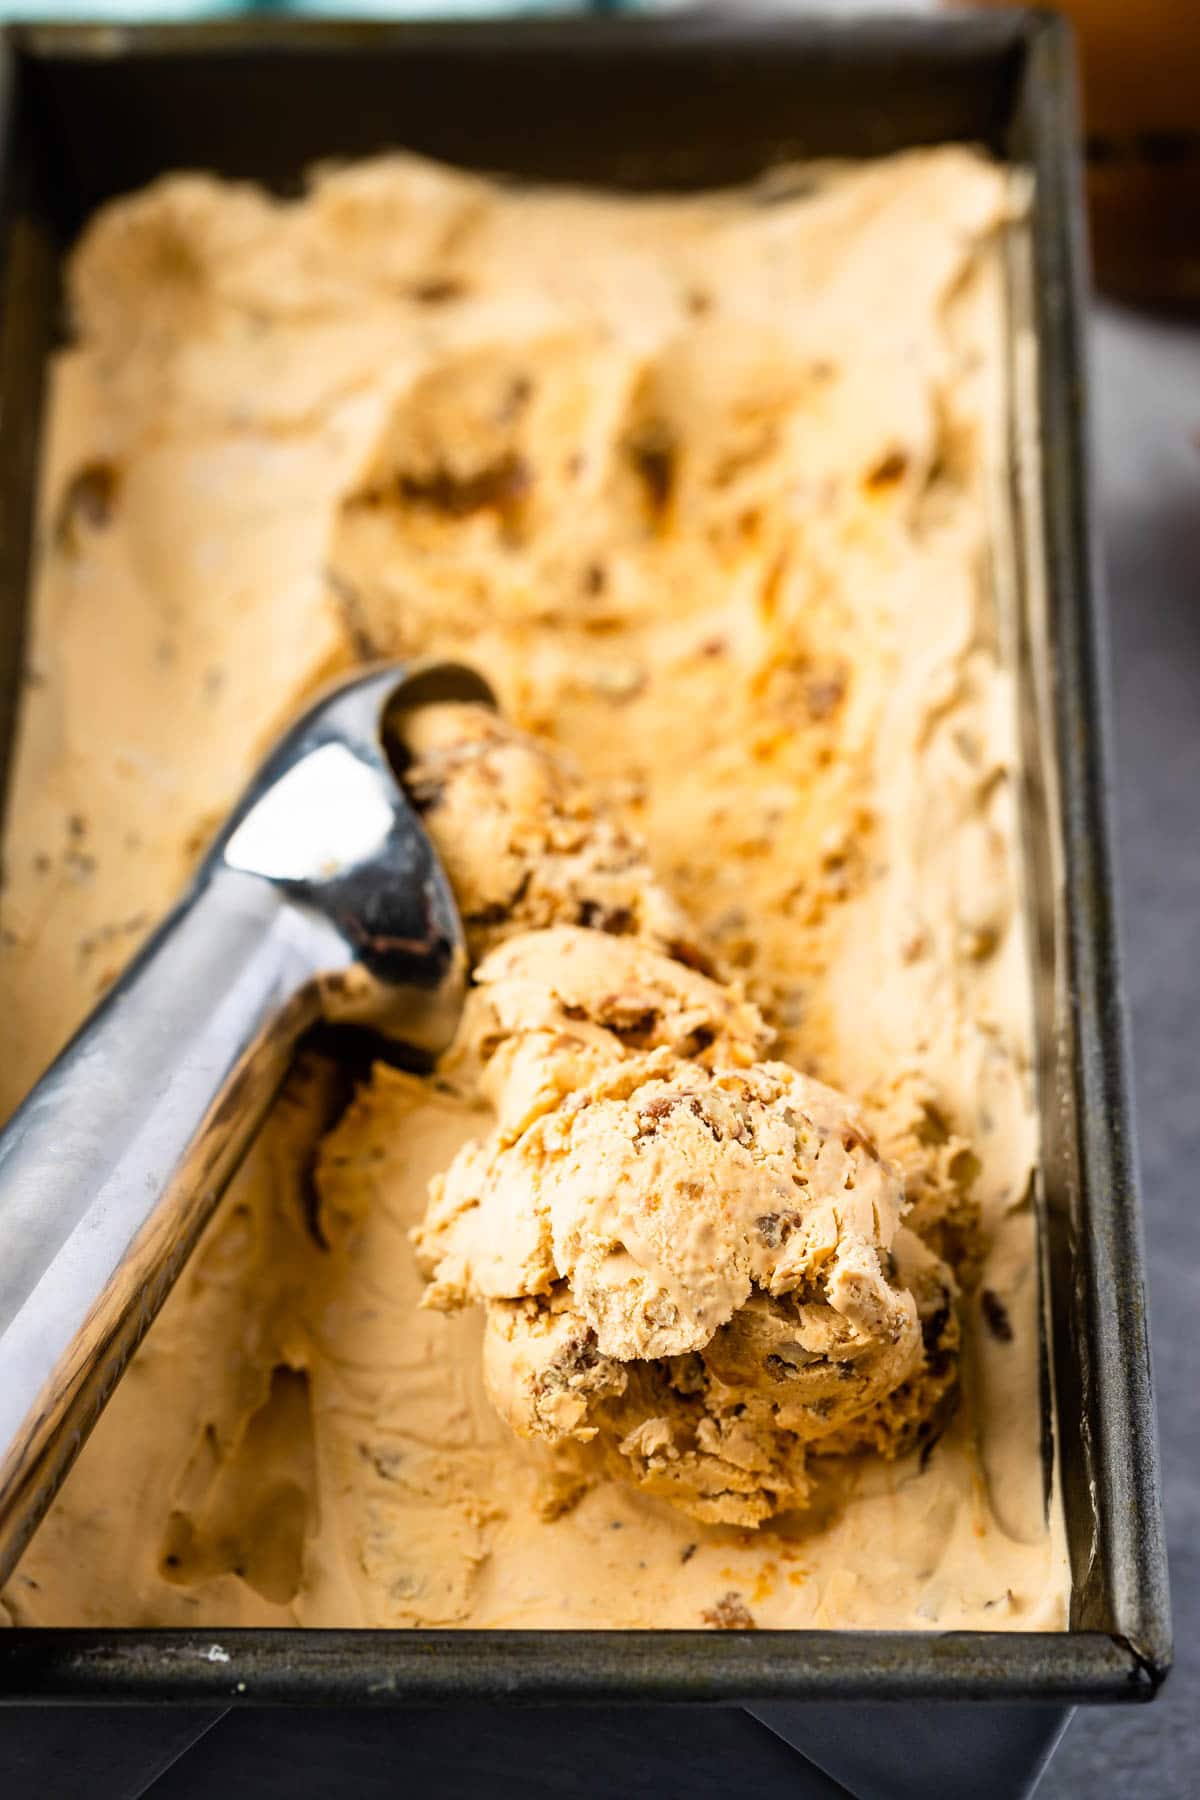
{"x": 708, "y": 486}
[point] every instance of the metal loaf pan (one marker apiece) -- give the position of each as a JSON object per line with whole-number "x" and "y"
{"x": 680, "y": 102}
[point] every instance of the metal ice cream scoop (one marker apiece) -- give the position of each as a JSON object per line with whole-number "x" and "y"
{"x": 321, "y": 898}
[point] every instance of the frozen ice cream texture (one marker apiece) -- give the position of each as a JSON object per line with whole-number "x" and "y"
{"x": 689, "y": 1256}
{"x": 731, "y": 534}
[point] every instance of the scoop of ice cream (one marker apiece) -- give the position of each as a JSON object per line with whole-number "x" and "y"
{"x": 664, "y": 1192}
{"x": 689, "y": 1257}
{"x": 522, "y": 842}
{"x": 567, "y": 978}
{"x": 726, "y": 1433}
{"x": 551, "y": 1008}
{"x": 687, "y": 1260}
{"x": 668, "y": 1427}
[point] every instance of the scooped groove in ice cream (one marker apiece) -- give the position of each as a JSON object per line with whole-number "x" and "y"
{"x": 687, "y": 1254}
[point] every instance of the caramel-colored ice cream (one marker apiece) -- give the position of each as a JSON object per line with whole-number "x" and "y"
{"x": 523, "y": 843}
{"x": 712, "y": 488}
{"x": 684, "y": 1251}
{"x": 620, "y": 1230}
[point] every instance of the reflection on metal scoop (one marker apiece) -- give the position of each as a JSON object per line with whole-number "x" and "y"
{"x": 321, "y": 898}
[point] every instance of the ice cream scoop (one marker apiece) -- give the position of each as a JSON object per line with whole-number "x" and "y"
{"x": 322, "y": 897}
{"x": 689, "y": 1257}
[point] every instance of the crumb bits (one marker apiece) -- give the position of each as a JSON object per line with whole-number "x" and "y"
{"x": 995, "y": 1316}
{"x": 87, "y": 503}
{"x": 729, "y": 1614}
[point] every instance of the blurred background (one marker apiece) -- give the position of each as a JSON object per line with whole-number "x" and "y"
{"x": 1140, "y": 62}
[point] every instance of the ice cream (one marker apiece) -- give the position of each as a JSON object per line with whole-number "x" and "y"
{"x": 645, "y": 1211}
{"x": 685, "y": 1252}
{"x": 682, "y": 1253}
{"x": 727, "y": 532}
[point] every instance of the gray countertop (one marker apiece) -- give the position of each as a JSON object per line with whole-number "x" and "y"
{"x": 1146, "y": 388}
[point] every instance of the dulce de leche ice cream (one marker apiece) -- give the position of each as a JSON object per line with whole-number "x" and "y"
{"x": 698, "y": 1285}
{"x": 686, "y": 1252}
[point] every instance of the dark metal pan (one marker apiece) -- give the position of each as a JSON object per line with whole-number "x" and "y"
{"x": 681, "y": 102}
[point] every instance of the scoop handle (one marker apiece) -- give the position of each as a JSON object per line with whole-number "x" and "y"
{"x": 114, "y": 1163}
